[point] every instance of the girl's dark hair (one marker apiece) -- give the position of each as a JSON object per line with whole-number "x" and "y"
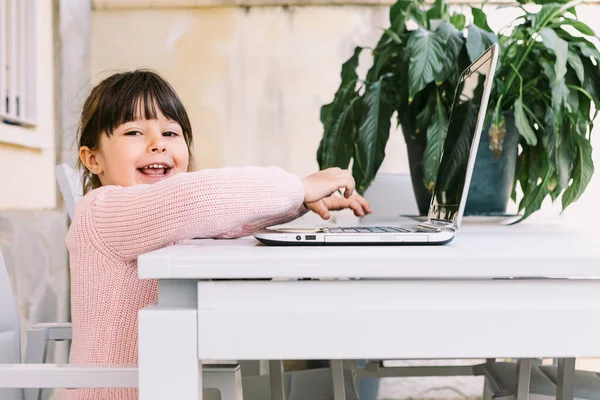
{"x": 122, "y": 98}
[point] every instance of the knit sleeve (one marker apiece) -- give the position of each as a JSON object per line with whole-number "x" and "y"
{"x": 225, "y": 202}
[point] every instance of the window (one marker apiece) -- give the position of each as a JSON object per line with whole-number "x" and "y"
{"x": 17, "y": 62}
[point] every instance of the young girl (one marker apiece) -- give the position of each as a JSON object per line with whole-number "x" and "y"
{"x": 141, "y": 194}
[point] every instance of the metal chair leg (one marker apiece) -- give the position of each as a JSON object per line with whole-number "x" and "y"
{"x": 565, "y": 385}
{"x": 523, "y": 378}
{"x": 228, "y": 381}
{"x": 337, "y": 373}
{"x": 276, "y": 378}
{"x": 37, "y": 349}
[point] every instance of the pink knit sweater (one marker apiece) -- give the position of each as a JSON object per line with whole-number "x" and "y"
{"x": 113, "y": 225}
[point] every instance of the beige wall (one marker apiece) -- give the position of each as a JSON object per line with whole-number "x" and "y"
{"x": 27, "y": 154}
{"x": 253, "y": 79}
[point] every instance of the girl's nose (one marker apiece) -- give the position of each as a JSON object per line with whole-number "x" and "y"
{"x": 158, "y": 146}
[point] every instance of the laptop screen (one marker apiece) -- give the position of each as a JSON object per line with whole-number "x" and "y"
{"x": 447, "y": 202}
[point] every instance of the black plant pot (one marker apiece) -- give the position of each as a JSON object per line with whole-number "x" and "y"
{"x": 493, "y": 175}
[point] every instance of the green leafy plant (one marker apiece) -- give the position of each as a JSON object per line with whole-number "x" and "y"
{"x": 547, "y": 78}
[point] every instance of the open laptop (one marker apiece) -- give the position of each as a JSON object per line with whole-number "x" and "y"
{"x": 452, "y": 183}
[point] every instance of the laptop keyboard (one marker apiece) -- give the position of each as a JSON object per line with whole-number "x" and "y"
{"x": 369, "y": 229}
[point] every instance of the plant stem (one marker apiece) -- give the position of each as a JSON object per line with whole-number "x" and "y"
{"x": 531, "y": 42}
{"x": 514, "y": 74}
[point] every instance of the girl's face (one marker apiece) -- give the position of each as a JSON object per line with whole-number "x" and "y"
{"x": 140, "y": 151}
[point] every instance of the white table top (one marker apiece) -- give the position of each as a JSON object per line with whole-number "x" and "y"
{"x": 479, "y": 251}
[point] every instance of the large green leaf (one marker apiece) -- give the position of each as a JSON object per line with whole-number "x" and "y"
{"x": 588, "y": 49}
{"x": 436, "y": 133}
{"x": 337, "y": 134}
{"x": 459, "y": 21}
{"x": 478, "y": 41}
{"x": 572, "y": 84}
{"x": 480, "y": 19}
{"x": 575, "y": 63}
{"x": 373, "y": 135}
{"x": 382, "y": 58}
{"x": 424, "y": 116}
{"x": 566, "y": 158}
{"x": 582, "y": 174}
{"x": 426, "y": 57}
{"x": 534, "y": 200}
{"x": 546, "y": 15}
{"x": 559, "y": 90}
{"x": 580, "y": 26}
{"x": 530, "y": 173}
{"x": 552, "y": 144}
{"x": 591, "y": 82}
{"x": 560, "y": 48}
{"x": 397, "y": 14}
{"x": 337, "y": 146}
{"x": 438, "y": 11}
{"x": 522, "y": 123}
{"x": 452, "y": 40}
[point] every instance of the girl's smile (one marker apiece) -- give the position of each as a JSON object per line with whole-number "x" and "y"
{"x": 156, "y": 171}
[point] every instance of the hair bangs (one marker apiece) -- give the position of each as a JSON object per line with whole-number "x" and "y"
{"x": 142, "y": 96}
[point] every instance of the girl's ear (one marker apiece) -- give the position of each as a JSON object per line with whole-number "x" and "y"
{"x": 89, "y": 159}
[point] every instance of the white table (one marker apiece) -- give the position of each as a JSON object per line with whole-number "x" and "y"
{"x": 511, "y": 280}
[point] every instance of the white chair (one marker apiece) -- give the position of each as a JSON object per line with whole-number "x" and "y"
{"x": 70, "y": 184}
{"x": 34, "y": 374}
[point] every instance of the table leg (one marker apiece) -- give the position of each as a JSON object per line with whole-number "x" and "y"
{"x": 337, "y": 373}
{"x": 565, "y": 385}
{"x": 276, "y": 377}
{"x": 168, "y": 354}
{"x": 523, "y": 378}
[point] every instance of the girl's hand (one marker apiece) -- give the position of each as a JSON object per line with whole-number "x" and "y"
{"x": 356, "y": 202}
{"x": 323, "y": 183}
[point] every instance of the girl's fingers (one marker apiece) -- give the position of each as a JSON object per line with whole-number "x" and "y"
{"x": 320, "y": 208}
{"x": 364, "y": 203}
{"x": 341, "y": 203}
{"x": 356, "y": 203}
{"x": 356, "y": 207}
{"x": 335, "y": 203}
{"x": 347, "y": 182}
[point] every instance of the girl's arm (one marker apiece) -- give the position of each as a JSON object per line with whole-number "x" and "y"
{"x": 225, "y": 202}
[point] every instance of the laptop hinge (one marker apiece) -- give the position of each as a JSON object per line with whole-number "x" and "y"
{"x": 435, "y": 226}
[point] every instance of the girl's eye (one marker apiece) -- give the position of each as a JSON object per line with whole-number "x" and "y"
{"x": 133, "y": 133}
{"x": 170, "y": 133}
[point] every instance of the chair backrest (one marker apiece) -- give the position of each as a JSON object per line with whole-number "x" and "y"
{"x": 390, "y": 196}
{"x": 10, "y": 351}
{"x": 70, "y": 185}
